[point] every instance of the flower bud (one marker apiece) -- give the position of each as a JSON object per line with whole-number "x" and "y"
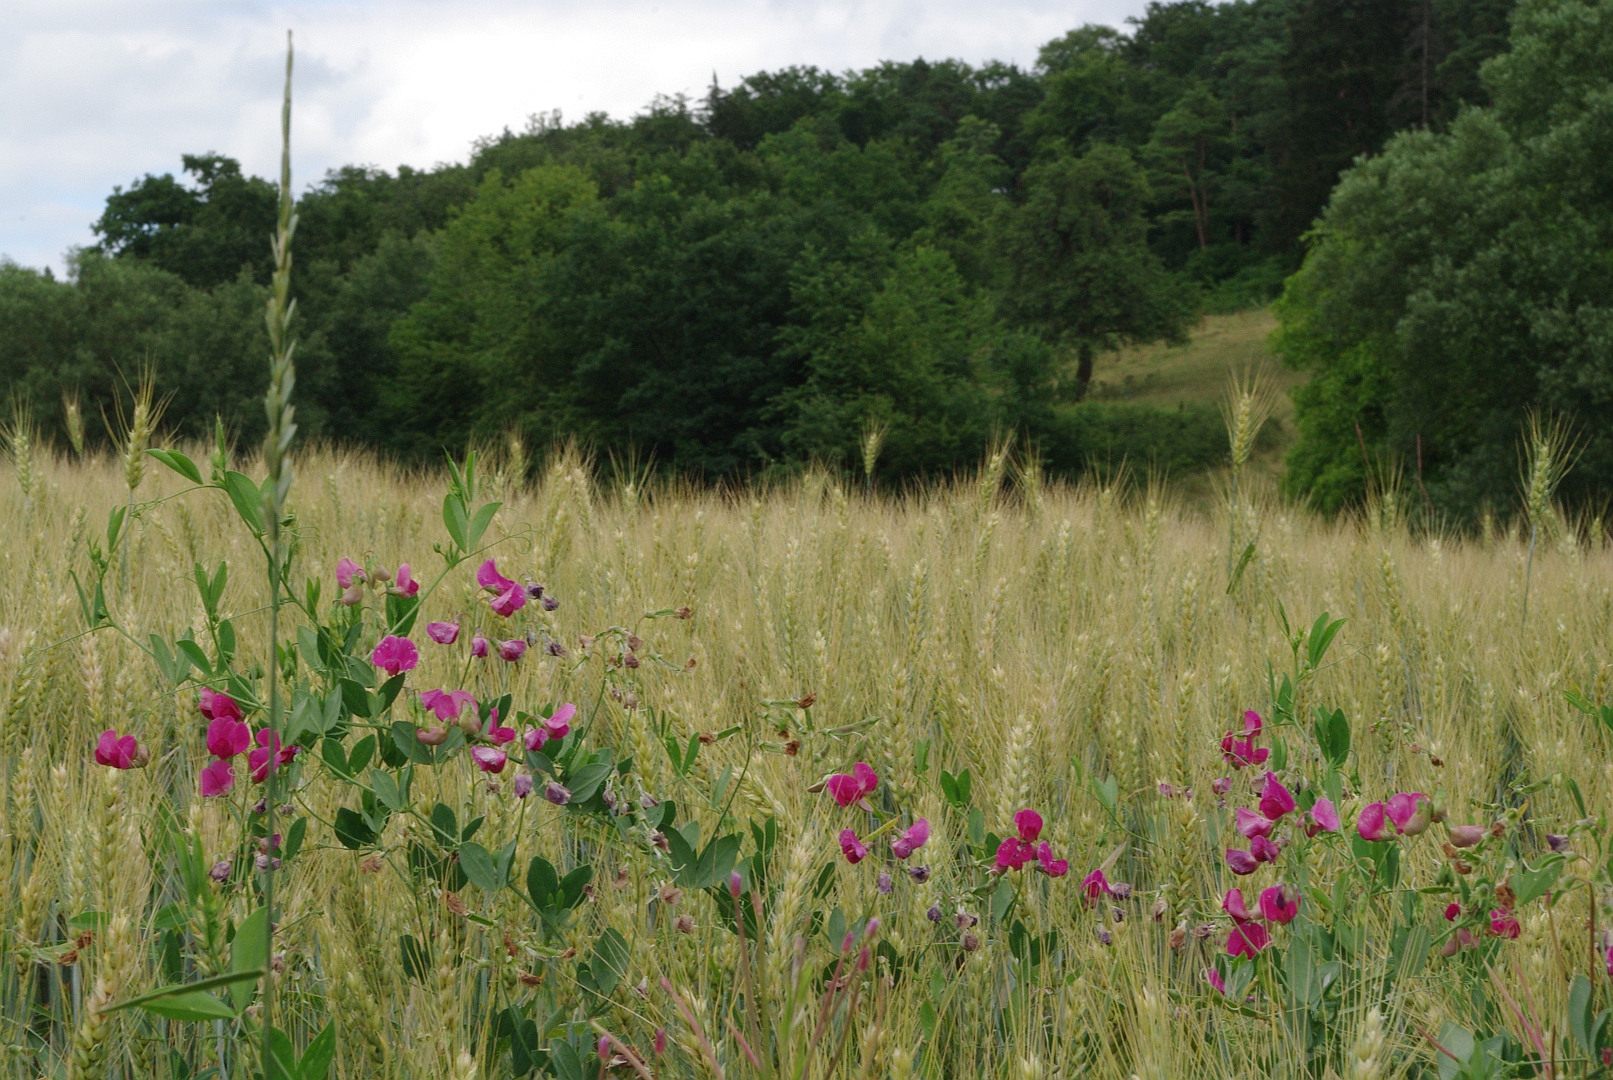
{"x": 684, "y": 924}
{"x": 970, "y": 942}
{"x": 432, "y": 736}
{"x": 557, "y": 793}
{"x": 220, "y": 871}
{"x": 1465, "y": 836}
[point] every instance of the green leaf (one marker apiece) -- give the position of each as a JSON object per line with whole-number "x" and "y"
{"x": 608, "y": 965}
{"x": 479, "y": 524}
{"x": 362, "y": 752}
{"x": 315, "y": 1064}
{"x": 1243, "y": 564}
{"x": 249, "y": 952}
{"x": 1529, "y": 884}
{"x": 405, "y": 736}
{"x": 200, "y": 987}
{"x": 248, "y": 499}
{"x": 455, "y": 521}
{"x": 542, "y": 883}
{"x": 585, "y": 782}
{"x": 294, "y": 838}
{"x": 178, "y": 462}
{"x": 1580, "y": 1005}
{"x": 352, "y": 831}
{"x": 194, "y": 1006}
{"x": 387, "y": 789}
{"x": 193, "y": 652}
{"x": 477, "y": 862}
{"x": 335, "y": 757}
{"x": 416, "y": 958}
{"x": 572, "y": 886}
{"x": 1333, "y": 735}
{"x": 357, "y": 699}
{"x": 1321, "y": 636}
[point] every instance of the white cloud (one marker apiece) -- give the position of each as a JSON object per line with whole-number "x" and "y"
{"x": 99, "y": 92}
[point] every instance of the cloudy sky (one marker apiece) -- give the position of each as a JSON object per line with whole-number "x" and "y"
{"x": 99, "y": 92}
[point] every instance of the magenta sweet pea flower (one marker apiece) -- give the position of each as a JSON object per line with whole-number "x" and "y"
{"x": 846, "y": 790}
{"x": 1264, "y": 850}
{"x": 1095, "y": 885}
{"x": 488, "y": 759}
{"x": 215, "y": 705}
{"x": 557, "y": 726}
{"x": 269, "y": 756}
{"x": 1241, "y": 753}
{"x": 495, "y": 733}
{"x": 1323, "y": 817}
{"x": 557, "y": 793}
{"x": 119, "y": 752}
{"x": 509, "y": 597}
{"x": 1275, "y": 800}
{"x": 523, "y": 785}
{"x": 217, "y": 779}
{"x": 1247, "y": 940}
{"x": 1028, "y": 823}
{"x": 910, "y": 841}
{"x": 395, "y": 655}
{"x": 851, "y": 847}
{"x": 1213, "y": 977}
{"x": 478, "y": 647}
{"x": 1279, "y": 904}
{"x": 404, "y": 584}
{"x": 1251, "y": 824}
{"x": 226, "y": 737}
{"x": 1013, "y": 853}
{"x": 1046, "y": 864}
{"x": 349, "y": 573}
{"x": 488, "y": 577}
{"x": 443, "y": 633}
{"x": 1504, "y": 923}
{"x": 1233, "y": 905}
{"x": 511, "y": 650}
{"x": 1241, "y": 862}
{"x": 1373, "y": 822}
{"x": 1412, "y": 812}
{"x": 447, "y": 704}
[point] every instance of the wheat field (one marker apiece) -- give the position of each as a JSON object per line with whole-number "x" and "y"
{"x": 1079, "y": 650}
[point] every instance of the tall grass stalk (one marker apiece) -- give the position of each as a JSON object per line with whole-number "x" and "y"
{"x": 1549, "y": 453}
{"x": 277, "y": 486}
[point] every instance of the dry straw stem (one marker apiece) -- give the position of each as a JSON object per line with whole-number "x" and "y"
{"x": 1084, "y": 645}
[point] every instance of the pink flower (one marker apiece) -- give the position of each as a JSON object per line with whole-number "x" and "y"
{"x": 559, "y": 725}
{"x": 435, "y": 735}
{"x": 1452, "y": 911}
{"x": 1322, "y": 817}
{"x": 395, "y": 655}
{"x": 511, "y": 650}
{"x": 1233, "y": 905}
{"x": 1214, "y": 978}
{"x": 447, "y": 704}
{"x": 269, "y": 756}
{"x": 213, "y": 705}
{"x": 1251, "y": 824}
{"x": 488, "y": 577}
{"x": 119, "y": 753}
{"x": 1411, "y": 812}
{"x": 1504, "y": 924}
{"x": 557, "y": 793}
{"x": 1275, "y": 800}
{"x": 488, "y": 759}
{"x": 510, "y": 596}
{"x": 217, "y": 779}
{"x": 1095, "y": 885}
{"x": 405, "y": 584}
{"x": 1373, "y": 822}
{"x": 1247, "y": 940}
{"x": 1241, "y": 862}
{"x": 349, "y": 573}
{"x": 911, "y": 840}
{"x": 443, "y": 633}
{"x": 1264, "y": 850}
{"x": 478, "y": 646}
{"x": 523, "y": 785}
{"x": 1013, "y": 853}
{"x": 1028, "y": 823}
{"x": 1221, "y": 785}
{"x": 495, "y": 733}
{"x": 226, "y": 737}
{"x": 846, "y": 790}
{"x": 851, "y": 847}
{"x": 1279, "y": 904}
{"x": 1046, "y": 864}
{"x": 1241, "y": 752}
{"x": 510, "y": 601}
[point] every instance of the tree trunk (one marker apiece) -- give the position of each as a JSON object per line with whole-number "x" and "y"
{"x": 1083, "y": 371}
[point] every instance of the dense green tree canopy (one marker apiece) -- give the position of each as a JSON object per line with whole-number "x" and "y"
{"x": 744, "y": 282}
{"x": 1464, "y": 276}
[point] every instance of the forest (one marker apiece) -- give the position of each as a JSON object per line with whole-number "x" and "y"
{"x": 939, "y": 252}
